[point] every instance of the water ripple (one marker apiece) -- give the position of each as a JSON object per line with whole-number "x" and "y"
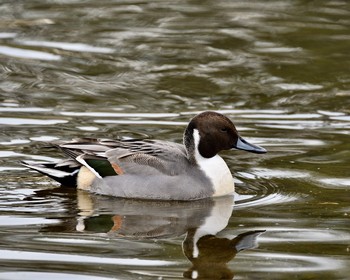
{"x": 13, "y": 221}
{"x": 252, "y": 195}
{"x": 304, "y": 86}
{"x": 22, "y": 53}
{"x": 336, "y": 182}
{"x": 28, "y": 121}
{"x": 77, "y": 47}
{"x": 247, "y": 201}
{"x": 290, "y": 234}
{"x": 30, "y": 275}
{"x": 294, "y": 263}
{"x": 75, "y": 258}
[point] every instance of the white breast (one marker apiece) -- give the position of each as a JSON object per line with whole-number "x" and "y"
{"x": 216, "y": 169}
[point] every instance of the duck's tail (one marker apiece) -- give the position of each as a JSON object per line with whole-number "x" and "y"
{"x": 65, "y": 172}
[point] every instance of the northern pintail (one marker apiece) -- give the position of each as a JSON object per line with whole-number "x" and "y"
{"x": 153, "y": 169}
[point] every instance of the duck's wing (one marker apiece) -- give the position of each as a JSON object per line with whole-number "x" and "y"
{"x": 117, "y": 157}
{"x": 146, "y": 157}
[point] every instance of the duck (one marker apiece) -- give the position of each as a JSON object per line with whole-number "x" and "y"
{"x": 152, "y": 169}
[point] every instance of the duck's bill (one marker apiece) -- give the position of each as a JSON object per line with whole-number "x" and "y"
{"x": 246, "y": 146}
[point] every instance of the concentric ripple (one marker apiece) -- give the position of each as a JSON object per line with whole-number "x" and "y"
{"x": 267, "y": 193}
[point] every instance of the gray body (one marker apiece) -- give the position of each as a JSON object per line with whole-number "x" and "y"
{"x": 161, "y": 171}
{"x": 185, "y": 187}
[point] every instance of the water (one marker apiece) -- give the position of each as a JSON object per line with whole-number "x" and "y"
{"x": 279, "y": 69}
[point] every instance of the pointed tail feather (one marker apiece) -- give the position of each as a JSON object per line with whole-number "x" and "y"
{"x": 64, "y": 173}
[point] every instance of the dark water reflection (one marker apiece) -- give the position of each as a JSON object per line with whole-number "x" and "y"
{"x": 96, "y": 221}
{"x": 200, "y": 222}
{"x": 279, "y": 69}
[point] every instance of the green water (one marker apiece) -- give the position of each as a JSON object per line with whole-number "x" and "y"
{"x": 278, "y": 69}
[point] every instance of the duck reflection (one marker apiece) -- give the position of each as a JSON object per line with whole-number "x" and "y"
{"x": 200, "y": 222}
{"x": 151, "y": 219}
{"x": 210, "y": 254}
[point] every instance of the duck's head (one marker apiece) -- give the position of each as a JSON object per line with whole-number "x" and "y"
{"x": 212, "y": 132}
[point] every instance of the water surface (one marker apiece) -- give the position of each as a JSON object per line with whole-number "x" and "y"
{"x": 279, "y": 69}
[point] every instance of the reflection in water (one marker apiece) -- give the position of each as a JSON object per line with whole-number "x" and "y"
{"x": 200, "y": 221}
{"x": 210, "y": 254}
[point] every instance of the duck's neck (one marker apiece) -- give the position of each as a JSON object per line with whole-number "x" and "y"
{"x": 190, "y": 143}
{"x": 214, "y": 167}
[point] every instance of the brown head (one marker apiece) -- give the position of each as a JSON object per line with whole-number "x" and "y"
{"x": 215, "y": 132}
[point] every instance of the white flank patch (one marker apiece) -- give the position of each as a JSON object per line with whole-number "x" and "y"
{"x": 85, "y": 178}
{"x": 216, "y": 169}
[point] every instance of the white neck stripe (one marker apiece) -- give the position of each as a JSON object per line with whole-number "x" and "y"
{"x": 196, "y": 138}
{"x": 214, "y": 168}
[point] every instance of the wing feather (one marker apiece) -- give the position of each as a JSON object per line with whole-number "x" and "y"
{"x": 132, "y": 156}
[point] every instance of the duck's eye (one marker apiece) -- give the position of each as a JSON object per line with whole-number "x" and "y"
{"x": 223, "y": 129}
